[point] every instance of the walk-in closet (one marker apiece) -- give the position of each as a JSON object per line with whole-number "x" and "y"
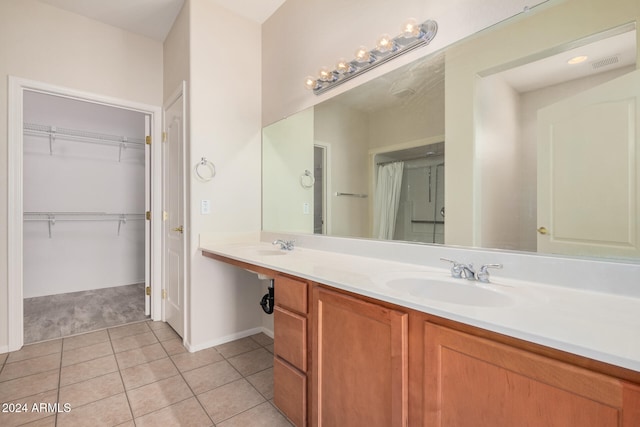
{"x": 84, "y": 216}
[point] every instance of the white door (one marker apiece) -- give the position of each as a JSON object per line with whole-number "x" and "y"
{"x": 174, "y": 217}
{"x": 589, "y": 172}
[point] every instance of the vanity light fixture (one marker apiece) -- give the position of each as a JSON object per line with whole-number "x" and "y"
{"x": 412, "y": 36}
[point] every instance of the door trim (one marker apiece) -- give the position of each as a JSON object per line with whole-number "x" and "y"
{"x": 17, "y": 87}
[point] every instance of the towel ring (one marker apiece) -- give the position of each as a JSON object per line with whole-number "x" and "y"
{"x": 306, "y": 179}
{"x": 210, "y": 170}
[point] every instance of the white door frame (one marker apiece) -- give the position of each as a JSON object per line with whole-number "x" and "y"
{"x": 17, "y": 86}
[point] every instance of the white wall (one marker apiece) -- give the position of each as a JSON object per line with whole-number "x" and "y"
{"x": 498, "y": 158}
{"x": 224, "y": 113}
{"x": 419, "y": 118}
{"x": 47, "y": 44}
{"x": 82, "y": 177}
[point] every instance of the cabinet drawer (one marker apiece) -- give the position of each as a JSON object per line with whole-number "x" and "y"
{"x": 290, "y": 392}
{"x": 291, "y": 294}
{"x": 290, "y": 337}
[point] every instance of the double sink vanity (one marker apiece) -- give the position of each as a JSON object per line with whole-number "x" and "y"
{"x": 370, "y": 339}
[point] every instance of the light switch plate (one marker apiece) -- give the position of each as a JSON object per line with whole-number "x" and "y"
{"x": 305, "y": 208}
{"x": 205, "y": 207}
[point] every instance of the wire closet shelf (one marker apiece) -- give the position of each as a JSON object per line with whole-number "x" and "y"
{"x": 52, "y": 217}
{"x": 53, "y": 132}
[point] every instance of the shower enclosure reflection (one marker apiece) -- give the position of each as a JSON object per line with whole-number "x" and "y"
{"x": 415, "y": 211}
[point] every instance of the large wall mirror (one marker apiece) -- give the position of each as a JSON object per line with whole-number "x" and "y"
{"x": 525, "y": 137}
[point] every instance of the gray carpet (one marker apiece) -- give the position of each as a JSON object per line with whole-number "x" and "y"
{"x": 62, "y": 315}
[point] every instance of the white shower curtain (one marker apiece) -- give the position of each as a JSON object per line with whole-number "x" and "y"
{"x": 387, "y": 199}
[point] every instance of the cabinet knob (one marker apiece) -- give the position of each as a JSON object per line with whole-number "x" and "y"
{"x": 179, "y": 229}
{"x": 542, "y": 230}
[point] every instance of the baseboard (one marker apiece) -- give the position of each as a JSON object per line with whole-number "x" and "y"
{"x": 227, "y": 338}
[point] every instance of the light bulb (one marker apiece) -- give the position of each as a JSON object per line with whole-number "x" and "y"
{"x": 410, "y": 28}
{"x": 326, "y": 75}
{"x": 343, "y": 66}
{"x": 363, "y": 55}
{"x": 577, "y": 60}
{"x": 385, "y": 43}
{"x": 310, "y": 82}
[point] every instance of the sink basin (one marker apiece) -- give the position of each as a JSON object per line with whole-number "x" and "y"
{"x": 450, "y": 291}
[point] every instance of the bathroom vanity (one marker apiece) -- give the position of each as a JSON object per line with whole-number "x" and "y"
{"x": 350, "y": 351}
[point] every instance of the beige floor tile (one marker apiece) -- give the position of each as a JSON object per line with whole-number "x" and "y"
{"x": 82, "y": 354}
{"x": 147, "y": 373}
{"x": 85, "y": 340}
{"x": 89, "y": 391}
{"x": 35, "y": 350}
{"x": 3, "y": 358}
{"x": 263, "y": 415}
{"x": 263, "y": 382}
{"x": 262, "y": 339}
{"x": 236, "y": 347}
{"x": 87, "y": 370}
{"x": 188, "y": 361}
{"x": 129, "y": 423}
{"x": 231, "y": 399}
{"x": 151, "y": 397}
{"x": 127, "y": 330}
{"x": 155, "y": 325}
{"x": 166, "y": 334}
{"x": 12, "y": 390}
{"x": 49, "y": 421}
{"x": 269, "y": 348}
{"x": 28, "y": 414}
{"x": 211, "y": 376}
{"x": 140, "y": 355}
{"x": 173, "y": 346}
{"x": 106, "y": 412}
{"x": 28, "y": 367}
{"x": 252, "y": 362}
{"x": 133, "y": 341}
{"x": 185, "y": 413}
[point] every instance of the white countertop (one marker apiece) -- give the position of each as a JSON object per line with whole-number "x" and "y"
{"x": 597, "y": 325}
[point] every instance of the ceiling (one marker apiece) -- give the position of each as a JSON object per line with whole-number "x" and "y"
{"x": 154, "y": 18}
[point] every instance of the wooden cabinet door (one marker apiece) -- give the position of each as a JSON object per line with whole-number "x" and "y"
{"x": 359, "y": 361}
{"x": 471, "y": 381}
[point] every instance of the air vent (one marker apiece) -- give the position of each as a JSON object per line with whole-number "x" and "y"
{"x": 605, "y": 62}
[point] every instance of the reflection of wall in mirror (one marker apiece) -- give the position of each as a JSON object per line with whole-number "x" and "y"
{"x": 345, "y": 130}
{"x": 287, "y": 151}
{"x": 467, "y": 196}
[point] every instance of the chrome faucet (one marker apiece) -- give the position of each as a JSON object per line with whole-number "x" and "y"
{"x": 461, "y": 271}
{"x": 483, "y": 274}
{"x": 467, "y": 271}
{"x": 285, "y": 245}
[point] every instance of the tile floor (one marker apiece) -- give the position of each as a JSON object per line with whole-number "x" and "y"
{"x": 139, "y": 375}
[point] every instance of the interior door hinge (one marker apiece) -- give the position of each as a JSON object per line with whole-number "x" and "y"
{"x": 164, "y": 137}
{"x": 147, "y": 290}
{"x": 164, "y": 294}
{"x": 165, "y": 215}
{"x": 147, "y": 139}
{"x": 148, "y": 215}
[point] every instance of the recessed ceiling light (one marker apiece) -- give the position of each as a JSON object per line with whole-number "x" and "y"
{"x": 577, "y": 59}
